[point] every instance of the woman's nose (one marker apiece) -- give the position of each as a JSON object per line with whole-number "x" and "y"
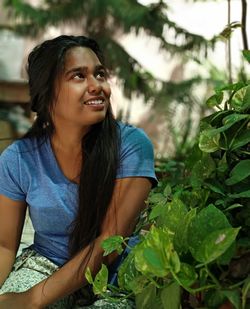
{"x": 94, "y": 86}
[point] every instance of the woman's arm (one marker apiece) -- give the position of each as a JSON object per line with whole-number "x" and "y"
{"x": 126, "y": 205}
{"x": 12, "y": 215}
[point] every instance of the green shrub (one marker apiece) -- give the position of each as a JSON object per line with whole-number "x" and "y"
{"x": 197, "y": 250}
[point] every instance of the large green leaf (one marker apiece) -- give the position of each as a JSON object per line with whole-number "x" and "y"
{"x": 151, "y": 255}
{"x": 207, "y": 221}
{"x": 214, "y": 245}
{"x": 171, "y": 296}
{"x": 239, "y": 172}
{"x": 155, "y": 261}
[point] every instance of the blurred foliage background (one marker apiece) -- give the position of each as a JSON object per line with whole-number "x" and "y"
{"x": 176, "y": 105}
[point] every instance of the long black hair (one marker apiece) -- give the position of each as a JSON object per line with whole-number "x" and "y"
{"x": 100, "y": 146}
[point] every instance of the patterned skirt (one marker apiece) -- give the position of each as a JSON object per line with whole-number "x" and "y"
{"x": 30, "y": 268}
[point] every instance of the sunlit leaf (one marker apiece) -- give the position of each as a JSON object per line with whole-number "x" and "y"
{"x": 208, "y": 142}
{"x": 101, "y": 281}
{"x": 215, "y": 100}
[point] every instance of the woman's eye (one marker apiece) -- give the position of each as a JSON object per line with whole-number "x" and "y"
{"x": 101, "y": 75}
{"x": 78, "y": 76}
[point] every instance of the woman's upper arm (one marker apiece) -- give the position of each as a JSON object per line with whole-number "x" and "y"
{"x": 12, "y": 215}
{"x": 126, "y": 205}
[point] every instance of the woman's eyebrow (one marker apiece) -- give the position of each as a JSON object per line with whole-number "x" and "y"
{"x": 84, "y": 69}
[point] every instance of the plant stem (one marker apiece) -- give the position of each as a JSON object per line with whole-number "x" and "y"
{"x": 212, "y": 277}
{"x": 244, "y": 24}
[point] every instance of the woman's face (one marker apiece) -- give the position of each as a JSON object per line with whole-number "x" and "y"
{"x": 82, "y": 91}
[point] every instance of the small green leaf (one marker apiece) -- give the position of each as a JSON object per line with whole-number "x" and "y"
{"x": 245, "y": 194}
{"x": 113, "y": 243}
{"x": 167, "y": 191}
{"x": 187, "y": 275}
{"x": 233, "y": 297}
{"x": 88, "y": 276}
{"x": 215, "y": 188}
{"x": 156, "y": 211}
{"x": 174, "y": 262}
{"x": 233, "y": 87}
{"x": 240, "y": 100}
{"x": 101, "y": 281}
{"x": 245, "y": 290}
{"x": 246, "y": 54}
{"x": 171, "y": 296}
{"x": 242, "y": 139}
{"x": 157, "y": 198}
{"x": 239, "y": 172}
{"x": 215, "y": 100}
{"x": 214, "y": 298}
{"x": 236, "y": 205}
{"x": 231, "y": 119}
{"x": 208, "y": 143}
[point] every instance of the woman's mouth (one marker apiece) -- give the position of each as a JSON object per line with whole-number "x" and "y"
{"x": 94, "y": 102}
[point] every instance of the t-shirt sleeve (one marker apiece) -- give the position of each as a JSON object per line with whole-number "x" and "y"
{"x": 136, "y": 156}
{"x": 10, "y": 178}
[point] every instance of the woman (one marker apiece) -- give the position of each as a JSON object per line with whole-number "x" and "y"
{"x": 83, "y": 176}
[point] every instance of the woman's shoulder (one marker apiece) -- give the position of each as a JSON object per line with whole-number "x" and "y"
{"x": 20, "y": 147}
{"x": 130, "y": 133}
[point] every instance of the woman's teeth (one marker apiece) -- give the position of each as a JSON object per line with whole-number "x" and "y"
{"x": 94, "y": 102}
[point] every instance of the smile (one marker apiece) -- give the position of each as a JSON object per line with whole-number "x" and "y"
{"x": 94, "y": 102}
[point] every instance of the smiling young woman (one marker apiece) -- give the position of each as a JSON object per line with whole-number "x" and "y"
{"x": 83, "y": 175}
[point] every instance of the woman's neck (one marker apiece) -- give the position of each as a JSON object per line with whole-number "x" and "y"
{"x": 68, "y": 139}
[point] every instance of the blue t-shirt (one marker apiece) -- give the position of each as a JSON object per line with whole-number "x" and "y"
{"x": 29, "y": 172}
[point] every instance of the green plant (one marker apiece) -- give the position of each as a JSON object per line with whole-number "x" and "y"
{"x": 197, "y": 251}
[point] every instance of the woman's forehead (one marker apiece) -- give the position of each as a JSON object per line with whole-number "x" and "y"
{"x": 80, "y": 57}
